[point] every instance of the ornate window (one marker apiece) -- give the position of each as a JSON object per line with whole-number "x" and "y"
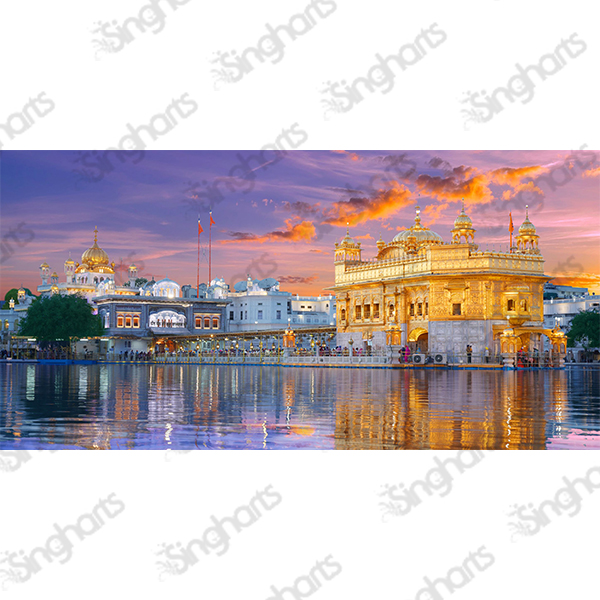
{"x": 358, "y": 312}
{"x": 136, "y": 322}
{"x": 420, "y": 309}
{"x": 120, "y": 321}
{"x": 206, "y": 322}
{"x": 412, "y": 309}
{"x": 426, "y": 309}
{"x": 456, "y": 309}
{"x": 215, "y": 322}
{"x": 127, "y": 321}
{"x": 367, "y": 311}
{"x": 391, "y": 310}
{"x": 342, "y": 314}
{"x": 376, "y": 311}
{"x": 198, "y": 322}
{"x": 510, "y": 305}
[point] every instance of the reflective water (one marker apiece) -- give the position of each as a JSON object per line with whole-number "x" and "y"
{"x": 186, "y": 407}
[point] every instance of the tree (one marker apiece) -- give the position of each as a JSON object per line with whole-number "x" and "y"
{"x": 58, "y": 318}
{"x": 585, "y": 328}
{"x": 12, "y": 295}
{"x": 140, "y": 281}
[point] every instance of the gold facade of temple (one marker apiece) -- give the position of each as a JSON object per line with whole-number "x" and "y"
{"x": 438, "y": 296}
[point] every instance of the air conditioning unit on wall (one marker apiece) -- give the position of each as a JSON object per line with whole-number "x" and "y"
{"x": 440, "y": 358}
{"x": 418, "y": 359}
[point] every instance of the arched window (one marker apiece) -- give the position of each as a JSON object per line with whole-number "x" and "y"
{"x": 511, "y": 305}
{"x": 391, "y": 313}
{"x": 136, "y": 321}
{"x": 120, "y": 321}
{"x": 343, "y": 314}
{"x": 215, "y": 322}
{"x": 127, "y": 321}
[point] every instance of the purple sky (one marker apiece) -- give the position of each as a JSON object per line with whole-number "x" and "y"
{"x": 279, "y": 215}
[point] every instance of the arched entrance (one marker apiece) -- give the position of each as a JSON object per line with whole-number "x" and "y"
{"x": 418, "y": 341}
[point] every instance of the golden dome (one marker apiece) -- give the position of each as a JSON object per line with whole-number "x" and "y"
{"x": 95, "y": 256}
{"x": 347, "y": 241}
{"x": 418, "y": 232}
{"x": 55, "y": 274}
{"x": 69, "y": 261}
{"x": 527, "y": 228}
{"x": 463, "y": 221}
{"x": 44, "y": 265}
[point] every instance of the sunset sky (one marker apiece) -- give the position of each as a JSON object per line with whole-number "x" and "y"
{"x": 279, "y": 215}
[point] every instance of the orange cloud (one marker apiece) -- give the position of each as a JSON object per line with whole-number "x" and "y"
{"x": 586, "y": 280}
{"x": 592, "y": 172}
{"x": 363, "y": 237}
{"x": 512, "y": 177}
{"x": 357, "y": 210}
{"x": 297, "y": 279}
{"x": 433, "y": 212}
{"x": 474, "y": 190}
{"x": 352, "y": 155}
{"x": 303, "y": 231}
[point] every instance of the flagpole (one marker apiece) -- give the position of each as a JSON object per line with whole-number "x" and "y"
{"x": 198, "y": 272}
{"x": 210, "y": 249}
{"x": 511, "y": 229}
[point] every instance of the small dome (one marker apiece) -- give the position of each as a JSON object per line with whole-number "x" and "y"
{"x": 347, "y": 241}
{"x": 527, "y": 228}
{"x": 44, "y": 265}
{"x": 55, "y": 274}
{"x": 463, "y": 221}
{"x": 95, "y": 256}
{"x": 69, "y": 261}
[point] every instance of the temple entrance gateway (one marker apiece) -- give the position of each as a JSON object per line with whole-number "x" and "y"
{"x": 418, "y": 341}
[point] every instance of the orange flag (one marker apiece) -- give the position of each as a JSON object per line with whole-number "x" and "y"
{"x": 211, "y": 220}
{"x": 200, "y": 230}
{"x": 510, "y": 227}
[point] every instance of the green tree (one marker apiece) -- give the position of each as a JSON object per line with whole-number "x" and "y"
{"x": 140, "y": 281}
{"x": 58, "y": 318}
{"x": 585, "y": 328}
{"x": 12, "y": 294}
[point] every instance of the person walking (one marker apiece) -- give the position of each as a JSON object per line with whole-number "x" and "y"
{"x": 487, "y": 354}
{"x": 469, "y": 351}
{"x": 406, "y": 353}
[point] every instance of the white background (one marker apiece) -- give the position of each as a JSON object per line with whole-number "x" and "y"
{"x": 330, "y": 503}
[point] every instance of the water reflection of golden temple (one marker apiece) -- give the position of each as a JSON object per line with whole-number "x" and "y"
{"x": 101, "y": 407}
{"x": 440, "y": 297}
